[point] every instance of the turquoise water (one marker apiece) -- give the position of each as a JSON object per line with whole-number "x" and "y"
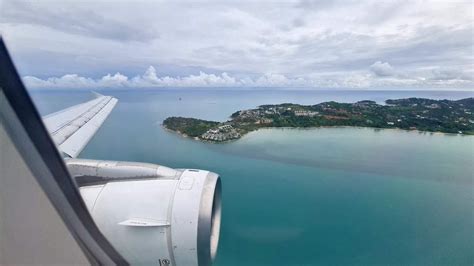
{"x": 338, "y": 196}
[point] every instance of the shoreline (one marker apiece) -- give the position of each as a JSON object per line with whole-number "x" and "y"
{"x": 197, "y": 138}
{"x": 313, "y": 128}
{"x": 380, "y": 128}
{"x": 411, "y": 114}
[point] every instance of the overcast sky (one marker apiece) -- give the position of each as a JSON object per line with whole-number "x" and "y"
{"x": 308, "y": 43}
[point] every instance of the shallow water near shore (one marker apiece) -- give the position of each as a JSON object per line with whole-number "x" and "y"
{"x": 307, "y": 196}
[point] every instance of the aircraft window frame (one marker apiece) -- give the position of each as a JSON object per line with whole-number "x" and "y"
{"x": 24, "y": 125}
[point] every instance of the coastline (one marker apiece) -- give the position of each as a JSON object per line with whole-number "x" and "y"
{"x": 313, "y": 128}
{"x": 379, "y": 128}
{"x": 197, "y": 138}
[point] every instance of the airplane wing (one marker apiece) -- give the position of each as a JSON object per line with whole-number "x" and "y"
{"x": 176, "y": 213}
{"x": 43, "y": 218}
{"x": 73, "y": 127}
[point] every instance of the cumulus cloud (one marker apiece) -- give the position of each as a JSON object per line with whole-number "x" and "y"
{"x": 314, "y": 43}
{"x": 361, "y": 80}
{"x": 66, "y": 81}
{"x": 150, "y": 79}
{"x": 382, "y": 69}
{"x": 114, "y": 81}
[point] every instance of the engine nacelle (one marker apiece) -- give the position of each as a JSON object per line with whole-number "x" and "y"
{"x": 153, "y": 214}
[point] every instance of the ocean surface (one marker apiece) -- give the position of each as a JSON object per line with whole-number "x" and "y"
{"x": 326, "y": 196}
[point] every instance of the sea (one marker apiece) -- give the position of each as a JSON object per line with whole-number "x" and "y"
{"x": 323, "y": 196}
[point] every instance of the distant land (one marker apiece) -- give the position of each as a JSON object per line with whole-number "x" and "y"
{"x": 445, "y": 116}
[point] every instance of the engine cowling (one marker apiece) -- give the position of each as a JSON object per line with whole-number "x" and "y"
{"x": 150, "y": 213}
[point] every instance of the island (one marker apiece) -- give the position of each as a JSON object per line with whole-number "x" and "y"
{"x": 447, "y": 116}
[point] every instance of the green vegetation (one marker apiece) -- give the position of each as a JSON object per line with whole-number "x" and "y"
{"x": 410, "y": 114}
{"x": 191, "y": 127}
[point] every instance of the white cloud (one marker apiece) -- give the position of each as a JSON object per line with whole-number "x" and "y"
{"x": 382, "y": 69}
{"x": 192, "y": 43}
{"x": 116, "y": 80}
{"x": 150, "y": 79}
{"x": 66, "y": 81}
{"x": 363, "y": 80}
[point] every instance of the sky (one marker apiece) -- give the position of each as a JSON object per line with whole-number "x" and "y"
{"x": 315, "y": 44}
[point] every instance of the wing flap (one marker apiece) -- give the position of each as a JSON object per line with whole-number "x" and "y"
{"x": 73, "y": 127}
{"x": 58, "y": 119}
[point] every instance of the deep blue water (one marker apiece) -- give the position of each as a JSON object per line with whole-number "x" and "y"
{"x": 338, "y": 196}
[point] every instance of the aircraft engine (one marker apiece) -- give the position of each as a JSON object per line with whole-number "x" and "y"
{"x": 150, "y": 213}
